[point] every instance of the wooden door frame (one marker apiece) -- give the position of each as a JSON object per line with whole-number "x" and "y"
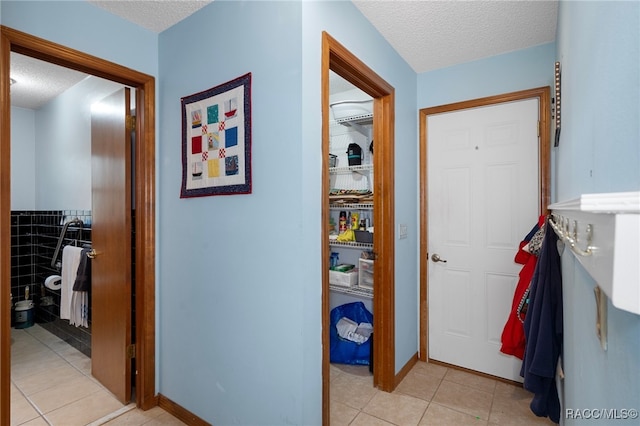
{"x": 26, "y": 44}
{"x": 544, "y": 114}
{"x": 338, "y": 59}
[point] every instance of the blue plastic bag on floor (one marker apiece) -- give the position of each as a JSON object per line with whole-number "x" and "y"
{"x": 344, "y": 351}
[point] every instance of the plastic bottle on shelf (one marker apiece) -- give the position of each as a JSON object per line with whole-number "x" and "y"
{"x": 333, "y": 259}
{"x": 342, "y": 222}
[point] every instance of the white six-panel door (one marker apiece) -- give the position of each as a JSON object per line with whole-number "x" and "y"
{"x": 483, "y": 195}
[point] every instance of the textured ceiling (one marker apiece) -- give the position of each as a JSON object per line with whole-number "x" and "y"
{"x": 436, "y": 34}
{"x": 428, "y": 34}
{"x": 37, "y": 81}
{"x": 154, "y": 15}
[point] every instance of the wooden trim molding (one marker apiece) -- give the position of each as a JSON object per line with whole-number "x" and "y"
{"x": 5, "y": 234}
{"x": 338, "y": 59}
{"x": 406, "y": 368}
{"x": 16, "y": 41}
{"x": 544, "y": 153}
{"x": 180, "y": 412}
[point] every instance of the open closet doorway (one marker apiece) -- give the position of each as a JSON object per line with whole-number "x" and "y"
{"x": 336, "y": 59}
{"x": 142, "y": 197}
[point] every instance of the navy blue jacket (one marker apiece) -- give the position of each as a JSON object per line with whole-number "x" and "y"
{"x": 543, "y": 331}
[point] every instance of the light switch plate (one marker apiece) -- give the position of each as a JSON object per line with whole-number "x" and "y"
{"x": 402, "y": 231}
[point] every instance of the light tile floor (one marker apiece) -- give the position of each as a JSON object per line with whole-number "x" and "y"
{"x": 51, "y": 384}
{"x": 430, "y": 394}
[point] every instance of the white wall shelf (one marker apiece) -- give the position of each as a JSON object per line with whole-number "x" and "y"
{"x": 350, "y": 244}
{"x": 351, "y": 169}
{"x": 603, "y": 232}
{"x": 354, "y": 291}
{"x": 351, "y": 206}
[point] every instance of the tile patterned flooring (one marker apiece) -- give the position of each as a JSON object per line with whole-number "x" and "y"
{"x": 430, "y": 394}
{"x": 51, "y": 384}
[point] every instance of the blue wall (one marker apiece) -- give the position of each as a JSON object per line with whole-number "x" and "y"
{"x": 82, "y": 26}
{"x": 51, "y": 149}
{"x": 23, "y": 151}
{"x": 510, "y": 72}
{"x": 248, "y": 288}
{"x": 598, "y": 46}
{"x": 63, "y": 146}
{"x": 344, "y": 22}
{"x": 234, "y": 331}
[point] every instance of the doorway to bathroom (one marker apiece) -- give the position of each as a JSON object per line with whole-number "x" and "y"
{"x": 143, "y": 242}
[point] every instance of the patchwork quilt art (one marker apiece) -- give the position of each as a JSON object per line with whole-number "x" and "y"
{"x": 216, "y": 140}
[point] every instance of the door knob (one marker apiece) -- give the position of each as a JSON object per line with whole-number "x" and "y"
{"x": 92, "y": 254}
{"x": 436, "y": 258}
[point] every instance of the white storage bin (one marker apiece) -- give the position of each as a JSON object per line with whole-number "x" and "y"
{"x": 365, "y": 272}
{"x": 344, "y": 279}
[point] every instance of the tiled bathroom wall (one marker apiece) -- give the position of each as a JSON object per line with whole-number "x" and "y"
{"x": 34, "y": 236}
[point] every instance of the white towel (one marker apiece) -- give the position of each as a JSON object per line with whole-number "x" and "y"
{"x": 79, "y": 309}
{"x": 70, "y": 262}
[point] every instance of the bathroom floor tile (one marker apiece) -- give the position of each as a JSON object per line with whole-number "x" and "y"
{"x": 84, "y": 366}
{"x": 28, "y": 352}
{"x": 38, "y": 421}
{"x": 63, "y": 394}
{"x": 21, "y": 410}
{"x": 45, "y": 363}
{"x": 15, "y": 393}
{"x": 85, "y": 410}
{"x": 69, "y": 395}
{"x": 47, "y": 379}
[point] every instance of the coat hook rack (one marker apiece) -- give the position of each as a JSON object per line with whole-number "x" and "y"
{"x": 556, "y": 142}
{"x": 603, "y": 233}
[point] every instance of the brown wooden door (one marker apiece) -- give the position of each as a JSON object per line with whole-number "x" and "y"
{"x": 111, "y": 236}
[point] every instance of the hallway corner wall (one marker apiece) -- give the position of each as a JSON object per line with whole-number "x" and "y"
{"x": 599, "y": 51}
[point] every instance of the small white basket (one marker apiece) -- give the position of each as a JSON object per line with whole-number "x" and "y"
{"x": 344, "y": 279}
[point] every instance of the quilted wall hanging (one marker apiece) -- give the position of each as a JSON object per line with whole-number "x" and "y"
{"x": 216, "y": 140}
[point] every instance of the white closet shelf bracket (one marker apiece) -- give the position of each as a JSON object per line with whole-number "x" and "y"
{"x": 603, "y": 232}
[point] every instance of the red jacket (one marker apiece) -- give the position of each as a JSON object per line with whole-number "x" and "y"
{"x": 513, "y": 333}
